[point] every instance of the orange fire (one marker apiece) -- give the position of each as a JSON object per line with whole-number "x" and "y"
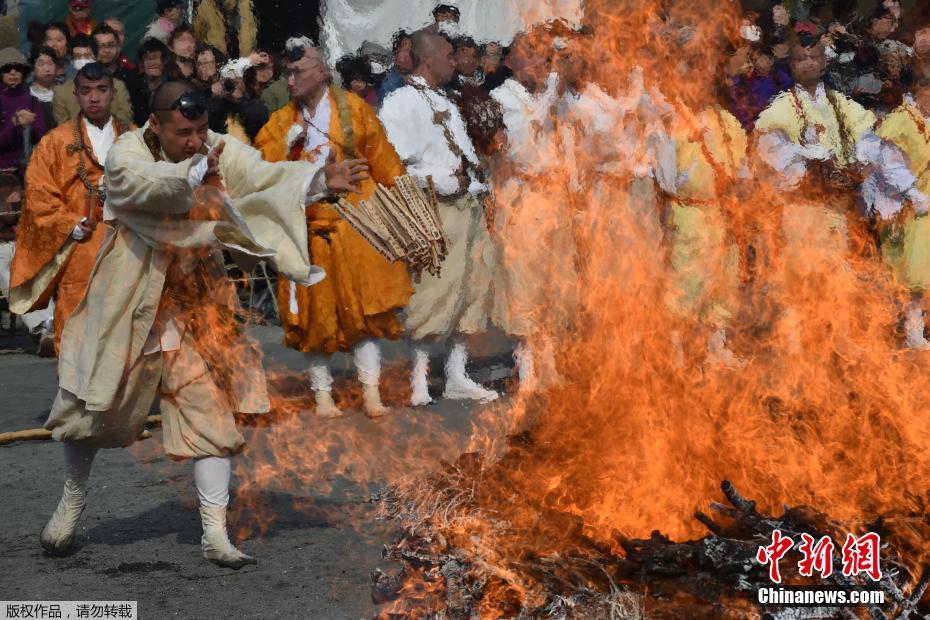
{"x": 635, "y": 432}
{"x": 629, "y": 430}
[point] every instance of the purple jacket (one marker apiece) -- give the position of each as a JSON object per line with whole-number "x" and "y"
{"x": 11, "y": 136}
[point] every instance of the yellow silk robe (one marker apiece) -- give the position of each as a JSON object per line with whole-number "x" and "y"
{"x": 815, "y": 228}
{"x": 362, "y": 291}
{"x": 906, "y": 242}
{"x": 710, "y": 149}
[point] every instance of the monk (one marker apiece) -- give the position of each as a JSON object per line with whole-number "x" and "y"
{"x": 361, "y": 296}
{"x": 58, "y": 236}
{"x": 159, "y": 315}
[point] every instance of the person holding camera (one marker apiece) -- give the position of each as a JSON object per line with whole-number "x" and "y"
{"x": 242, "y": 114}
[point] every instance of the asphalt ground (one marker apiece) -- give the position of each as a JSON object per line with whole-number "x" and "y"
{"x": 301, "y": 500}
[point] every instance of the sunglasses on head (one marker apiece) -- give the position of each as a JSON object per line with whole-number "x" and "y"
{"x": 296, "y": 53}
{"x": 192, "y": 105}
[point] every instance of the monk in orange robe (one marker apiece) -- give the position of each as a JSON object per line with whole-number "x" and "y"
{"x": 58, "y": 237}
{"x": 362, "y": 293}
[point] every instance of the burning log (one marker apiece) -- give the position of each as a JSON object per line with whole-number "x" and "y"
{"x": 715, "y": 577}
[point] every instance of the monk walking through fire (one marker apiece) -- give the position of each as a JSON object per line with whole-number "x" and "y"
{"x": 159, "y": 314}
{"x": 898, "y": 192}
{"x": 810, "y": 135}
{"x": 58, "y": 238}
{"x": 360, "y": 298}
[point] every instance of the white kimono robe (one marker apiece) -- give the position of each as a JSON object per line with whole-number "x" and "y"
{"x": 108, "y": 377}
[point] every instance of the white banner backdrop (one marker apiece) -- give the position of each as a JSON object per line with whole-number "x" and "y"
{"x": 349, "y": 23}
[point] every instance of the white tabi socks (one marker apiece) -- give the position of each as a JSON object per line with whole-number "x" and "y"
{"x": 58, "y": 534}
{"x": 458, "y": 384}
{"x": 212, "y": 475}
{"x": 321, "y": 382}
{"x": 526, "y": 368}
{"x": 367, "y": 357}
{"x": 914, "y": 327}
{"x": 419, "y": 382}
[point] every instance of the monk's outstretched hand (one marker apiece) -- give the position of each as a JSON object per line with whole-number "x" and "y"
{"x": 345, "y": 176}
{"x": 213, "y": 162}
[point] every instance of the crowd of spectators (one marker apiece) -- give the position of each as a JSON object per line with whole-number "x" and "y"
{"x": 868, "y": 54}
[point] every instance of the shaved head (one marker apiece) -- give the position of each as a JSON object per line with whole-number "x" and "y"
{"x": 433, "y": 58}
{"x": 167, "y": 93}
{"x": 180, "y": 137}
{"x": 424, "y": 44}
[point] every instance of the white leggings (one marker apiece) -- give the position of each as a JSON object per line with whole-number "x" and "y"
{"x": 367, "y": 358}
{"x": 212, "y": 474}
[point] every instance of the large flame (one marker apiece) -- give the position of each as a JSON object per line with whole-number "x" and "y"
{"x": 636, "y": 432}
{"x": 630, "y": 430}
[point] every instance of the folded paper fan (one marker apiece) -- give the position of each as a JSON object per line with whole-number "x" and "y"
{"x": 401, "y": 223}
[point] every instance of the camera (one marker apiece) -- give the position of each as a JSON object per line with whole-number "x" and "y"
{"x": 229, "y": 85}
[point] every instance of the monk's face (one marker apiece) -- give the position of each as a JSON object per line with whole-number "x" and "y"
{"x": 306, "y": 76}
{"x": 529, "y": 67}
{"x": 95, "y": 97}
{"x": 181, "y": 138}
{"x": 808, "y": 64}
{"x": 402, "y": 57}
{"x": 440, "y": 62}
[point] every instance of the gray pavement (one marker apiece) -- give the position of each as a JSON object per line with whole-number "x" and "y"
{"x": 310, "y": 522}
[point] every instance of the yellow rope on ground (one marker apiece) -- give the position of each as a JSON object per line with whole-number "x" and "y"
{"x": 42, "y": 434}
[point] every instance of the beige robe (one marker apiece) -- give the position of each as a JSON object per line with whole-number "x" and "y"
{"x": 104, "y": 378}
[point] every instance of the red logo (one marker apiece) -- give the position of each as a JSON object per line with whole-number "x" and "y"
{"x": 774, "y": 552}
{"x": 817, "y": 556}
{"x": 860, "y": 555}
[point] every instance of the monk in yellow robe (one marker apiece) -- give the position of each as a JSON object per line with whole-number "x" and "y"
{"x": 710, "y": 157}
{"x": 58, "y": 239}
{"x": 360, "y": 298}
{"x": 810, "y": 136}
{"x": 898, "y": 195}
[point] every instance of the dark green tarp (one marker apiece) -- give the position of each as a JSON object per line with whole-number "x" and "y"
{"x": 136, "y": 14}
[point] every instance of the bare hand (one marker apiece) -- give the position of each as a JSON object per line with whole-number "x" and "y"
{"x": 345, "y": 176}
{"x": 259, "y": 58}
{"x": 213, "y": 162}
{"x": 217, "y": 90}
{"x": 24, "y": 117}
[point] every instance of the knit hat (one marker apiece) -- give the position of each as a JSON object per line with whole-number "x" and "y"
{"x": 10, "y": 56}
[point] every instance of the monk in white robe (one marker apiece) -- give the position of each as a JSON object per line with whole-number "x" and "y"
{"x": 427, "y": 131}
{"x": 158, "y": 316}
